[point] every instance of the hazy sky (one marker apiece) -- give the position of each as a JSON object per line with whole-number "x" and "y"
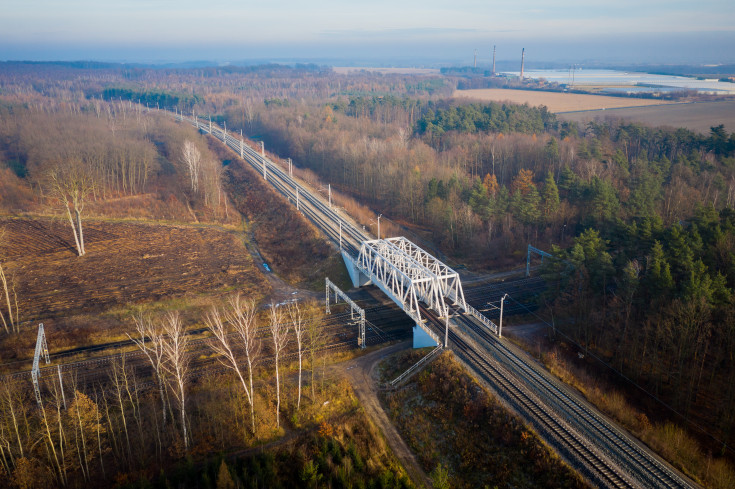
{"x": 550, "y": 30}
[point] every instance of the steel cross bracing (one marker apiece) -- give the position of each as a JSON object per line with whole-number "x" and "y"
{"x": 448, "y": 279}
{"x": 41, "y": 349}
{"x": 353, "y": 308}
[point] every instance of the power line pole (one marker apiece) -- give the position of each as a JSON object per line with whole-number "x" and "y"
{"x": 500, "y": 326}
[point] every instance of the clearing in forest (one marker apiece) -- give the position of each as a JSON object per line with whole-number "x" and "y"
{"x": 126, "y": 263}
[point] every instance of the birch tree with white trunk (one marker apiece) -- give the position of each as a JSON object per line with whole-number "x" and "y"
{"x": 279, "y": 332}
{"x": 193, "y": 161}
{"x": 298, "y": 324}
{"x": 150, "y": 342}
{"x": 176, "y": 364}
{"x": 72, "y": 183}
{"x": 11, "y": 324}
{"x": 240, "y": 316}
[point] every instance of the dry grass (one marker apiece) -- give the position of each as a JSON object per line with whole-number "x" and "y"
{"x": 554, "y": 101}
{"x": 667, "y": 439}
{"x": 81, "y": 299}
{"x": 447, "y": 418}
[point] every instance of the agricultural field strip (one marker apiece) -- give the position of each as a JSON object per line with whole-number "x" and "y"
{"x": 647, "y": 469}
{"x": 557, "y": 102}
{"x": 638, "y": 459}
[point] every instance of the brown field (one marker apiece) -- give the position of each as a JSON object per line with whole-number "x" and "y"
{"x": 698, "y": 116}
{"x": 554, "y": 101}
{"x": 126, "y": 264}
{"x": 344, "y": 70}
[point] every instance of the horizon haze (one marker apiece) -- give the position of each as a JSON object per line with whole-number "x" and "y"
{"x": 412, "y": 33}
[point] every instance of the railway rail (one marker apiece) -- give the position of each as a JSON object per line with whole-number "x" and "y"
{"x": 585, "y": 437}
{"x": 637, "y": 466}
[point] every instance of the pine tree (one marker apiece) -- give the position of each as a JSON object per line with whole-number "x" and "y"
{"x": 224, "y": 479}
{"x": 549, "y": 197}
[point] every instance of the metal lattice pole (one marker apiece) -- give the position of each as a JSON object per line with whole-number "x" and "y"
{"x": 327, "y": 299}
{"x": 41, "y": 349}
{"x": 353, "y": 308}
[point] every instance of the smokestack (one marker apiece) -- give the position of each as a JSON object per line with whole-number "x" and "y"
{"x": 475, "y": 58}
{"x": 523, "y": 56}
{"x": 493, "y": 60}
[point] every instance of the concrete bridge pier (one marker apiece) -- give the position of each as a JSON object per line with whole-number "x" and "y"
{"x": 421, "y": 339}
{"x": 358, "y": 278}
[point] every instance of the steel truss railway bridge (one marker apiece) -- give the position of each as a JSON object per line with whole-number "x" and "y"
{"x": 431, "y": 294}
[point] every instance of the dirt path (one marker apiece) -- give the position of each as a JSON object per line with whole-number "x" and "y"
{"x": 361, "y": 374}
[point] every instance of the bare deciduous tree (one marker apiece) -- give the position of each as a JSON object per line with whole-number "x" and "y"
{"x": 241, "y": 317}
{"x": 150, "y": 343}
{"x": 175, "y": 343}
{"x": 12, "y": 410}
{"x": 299, "y": 328}
{"x": 279, "y": 331}
{"x": 72, "y": 183}
{"x": 317, "y": 339}
{"x": 118, "y": 373}
{"x": 12, "y": 323}
{"x": 193, "y": 160}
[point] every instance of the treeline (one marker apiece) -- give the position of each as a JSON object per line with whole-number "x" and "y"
{"x": 153, "y": 98}
{"x": 116, "y": 150}
{"x": 657, "y": 303}
{"x": 490, "y": 117}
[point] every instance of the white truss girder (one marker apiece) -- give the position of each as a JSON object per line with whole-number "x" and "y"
{"x": 448, "y": 279}
{"x": 390, "y": 279}
{"x": 408, "y": 274}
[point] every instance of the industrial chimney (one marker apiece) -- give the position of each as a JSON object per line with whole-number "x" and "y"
{"x": 523, "y": 56}
{"x": 493, "y": 60}
{"x": 475, "y": 58}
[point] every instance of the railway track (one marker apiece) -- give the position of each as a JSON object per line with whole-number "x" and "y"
{"x": 564, "y": 438}
{"x": 635, "y": 464}
{"x": 389, "y": 318}
{"x": 586, "y": 438}
{"x": 311, "y": 205}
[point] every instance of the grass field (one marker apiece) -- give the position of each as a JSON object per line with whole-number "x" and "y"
{"x": 695, "y": 116}
{"x": 554, "y": 101}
